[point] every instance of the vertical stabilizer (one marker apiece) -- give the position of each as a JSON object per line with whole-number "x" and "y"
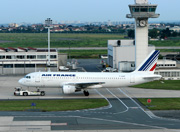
{"x": 149, "y": 64}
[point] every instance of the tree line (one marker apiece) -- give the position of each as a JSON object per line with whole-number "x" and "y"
{"x": 157, "y": 33}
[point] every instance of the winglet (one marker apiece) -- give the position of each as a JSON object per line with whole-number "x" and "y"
{"x": 149, "y": 64}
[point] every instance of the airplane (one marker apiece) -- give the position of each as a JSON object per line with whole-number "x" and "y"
{"x": 72, "y": 82}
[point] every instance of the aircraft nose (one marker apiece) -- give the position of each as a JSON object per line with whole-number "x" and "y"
{"x": 21, "y": 81}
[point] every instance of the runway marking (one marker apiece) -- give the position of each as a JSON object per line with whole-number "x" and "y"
{"x": 127, "y": 108}
{"x": 150, "y": 115}
{"x": 110, "y": 106}
{"x": 58, "y": 124}
{"x": 115, "y": 121}
{"x": 129, "y": 97}
{"x": 134, "y": 107}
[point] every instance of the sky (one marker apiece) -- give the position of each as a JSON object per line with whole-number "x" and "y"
{"x": 36, "y": 11}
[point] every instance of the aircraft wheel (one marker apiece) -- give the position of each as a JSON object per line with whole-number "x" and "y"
{"x": 86, "y": 93}
{"x": 25, "y": 94}
{"x": 42, "y": 93}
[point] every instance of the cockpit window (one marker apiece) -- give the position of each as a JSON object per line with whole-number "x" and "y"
{"x": 28, "y": 77}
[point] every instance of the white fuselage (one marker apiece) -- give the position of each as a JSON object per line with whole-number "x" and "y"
{"x": 59, "y": 79}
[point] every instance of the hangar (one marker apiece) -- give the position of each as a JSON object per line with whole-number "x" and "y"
{"x": 121, "y": 54}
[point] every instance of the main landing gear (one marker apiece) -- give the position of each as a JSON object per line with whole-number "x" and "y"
{"x": 86, "y": 93}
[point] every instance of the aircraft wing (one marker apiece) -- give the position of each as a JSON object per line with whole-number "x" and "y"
{"x": 84, "y": 85}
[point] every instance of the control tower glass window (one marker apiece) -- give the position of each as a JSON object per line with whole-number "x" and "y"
{"x": 135, "y": 9}
{"x": 144, "y": 9}
{"x": 152, "y": 9}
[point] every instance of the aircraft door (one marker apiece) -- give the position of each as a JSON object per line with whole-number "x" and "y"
{"x": 132, "y": 79}
{"x": 37, "y": 78}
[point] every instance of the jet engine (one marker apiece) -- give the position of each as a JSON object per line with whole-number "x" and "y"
{"x": 68, "y": 89}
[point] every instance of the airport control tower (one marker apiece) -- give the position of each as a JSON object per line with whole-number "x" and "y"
{"x": 141, "y": 11}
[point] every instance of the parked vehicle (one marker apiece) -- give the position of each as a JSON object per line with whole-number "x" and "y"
{"x": 109, "y": 69}
{"x": 20, "y": 92}
{"x": 63, "y": 68}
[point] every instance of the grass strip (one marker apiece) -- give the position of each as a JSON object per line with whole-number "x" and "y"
{"x": 165, "y": 85}
{"x": 169, "y": 50}
{"x": 84, "y": 53}
{"x": 39, "y": 40}
{"x": 161, "y": 103}
{"x": 165, "y": 43}
{"x": 52, "y": 105}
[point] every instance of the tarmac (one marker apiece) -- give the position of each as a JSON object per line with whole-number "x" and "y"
{"x": 7, "y": 91}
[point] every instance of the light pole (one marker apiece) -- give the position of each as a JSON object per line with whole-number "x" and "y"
{"x": 69, "y": 52}
{"x": 48, "y": 23}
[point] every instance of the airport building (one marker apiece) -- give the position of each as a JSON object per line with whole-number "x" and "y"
{"x": 168, "y": 73}
{"x": 121, "y": 54}
{"x": 168, "y": 69}
{"x": 27, "y": 60}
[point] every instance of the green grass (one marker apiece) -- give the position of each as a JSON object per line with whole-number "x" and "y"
{"x": 57, "y": 40}
{"x": 84, "y": 53}
{"x": 52, "y": 105}
{"x": 39, "y": 40}
{"x": 169, "y": 50}
{"x": 165, "y": 43}
{"x": 165, "y": 84}
{"x": 162, "y": 103}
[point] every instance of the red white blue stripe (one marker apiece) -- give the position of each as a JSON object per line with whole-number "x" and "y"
{"x": 150, "y": 64}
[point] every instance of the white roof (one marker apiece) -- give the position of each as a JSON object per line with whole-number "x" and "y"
{"x": 166, "y": 61}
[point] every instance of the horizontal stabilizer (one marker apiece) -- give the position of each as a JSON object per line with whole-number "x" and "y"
{"x": 153, "y": 77}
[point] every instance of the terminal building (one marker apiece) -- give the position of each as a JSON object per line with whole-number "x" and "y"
{"x": 168, "y": 69}
{"x": 26, "y": 60}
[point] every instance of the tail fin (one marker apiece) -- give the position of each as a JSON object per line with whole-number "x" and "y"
{"x": 149, "y": 64}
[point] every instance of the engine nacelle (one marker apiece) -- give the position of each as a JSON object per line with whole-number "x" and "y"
{"x": 68, "y": 89}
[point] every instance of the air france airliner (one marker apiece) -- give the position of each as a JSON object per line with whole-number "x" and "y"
{"x": 72, "y": 82}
